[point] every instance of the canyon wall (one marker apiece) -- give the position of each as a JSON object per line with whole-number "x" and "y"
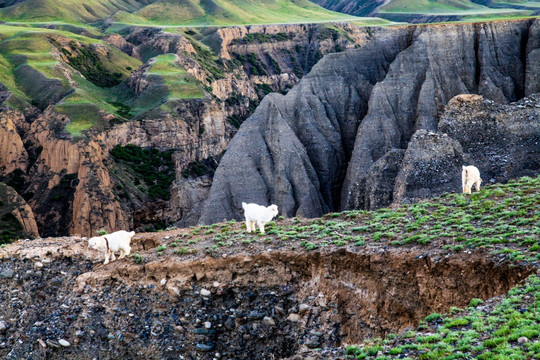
{"x": 72, "y": 185}
{"x": 324, "y": 145}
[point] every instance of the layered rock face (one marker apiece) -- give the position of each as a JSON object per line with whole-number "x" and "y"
{"x": 324, "y": 145}
{"x": 73, "y": 187}
{"x": 16, "y": 217}
{"x": 502, "y": 141}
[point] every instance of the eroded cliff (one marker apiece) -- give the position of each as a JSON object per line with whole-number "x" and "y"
{"x": 319, "y": 147}
{"x": 67, "y": 175}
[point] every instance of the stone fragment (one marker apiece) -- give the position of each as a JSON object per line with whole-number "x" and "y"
{"x": 205, "y": 347}
{"x": 303, "y": 308}
{"x": 64, "y": 343}
{"x": 268, "y": 321}
{"x": 52, "y": 343}
{"x": 205, "y": 293}
{"x": 313, "y": 342}
{"x": 293, "y": 317}
{"x": 523, "y": 340}
{"x": 7, "y": 274}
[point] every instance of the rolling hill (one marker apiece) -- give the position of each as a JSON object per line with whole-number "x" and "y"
{"x": 417, "y": 11}
{"x": 167, "y": 12}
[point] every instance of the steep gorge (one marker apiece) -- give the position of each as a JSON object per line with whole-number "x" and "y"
{"x": 322, "y": 147}
{"x": 71, "y": 182}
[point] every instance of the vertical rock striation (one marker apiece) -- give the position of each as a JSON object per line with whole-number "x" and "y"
{"x": 324, "y": 145}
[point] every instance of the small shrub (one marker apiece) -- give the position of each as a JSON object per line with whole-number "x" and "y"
{"x": 138, "y": 258}
{"x": 431, "y": 317}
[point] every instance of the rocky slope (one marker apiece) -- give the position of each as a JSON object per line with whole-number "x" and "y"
{"x": 323, "y": 146}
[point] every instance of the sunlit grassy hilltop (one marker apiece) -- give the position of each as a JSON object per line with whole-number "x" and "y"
{"x": 170, "y": 12}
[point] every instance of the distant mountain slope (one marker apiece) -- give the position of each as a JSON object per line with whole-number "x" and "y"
{"x": 433, "y": 10}
{"x": 65, "y": 10}
{"x": 167, "y": 12}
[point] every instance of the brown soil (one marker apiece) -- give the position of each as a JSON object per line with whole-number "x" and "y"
{"x": 322, "y": 299}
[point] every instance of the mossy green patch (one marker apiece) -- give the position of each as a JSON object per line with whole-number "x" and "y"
{"x": 180, "y": 84}
{"x": 154, "y": 167}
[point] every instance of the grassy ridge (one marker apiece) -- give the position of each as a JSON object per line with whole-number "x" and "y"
{"x": 170, "y": 12}
{"x": 463, "y": 8}
{"x": 30, "y": 69}
{"x": 502, "y": 217}
{"x": 70, "y": 11}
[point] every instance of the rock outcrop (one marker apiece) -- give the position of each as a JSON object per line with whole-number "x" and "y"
{"x": 16, "y": 217}
{"x": 432, "y": 165}
{"x": 502, "y": 141}
{"x": 356, "y": 107}
{"x": 294, "y": 149}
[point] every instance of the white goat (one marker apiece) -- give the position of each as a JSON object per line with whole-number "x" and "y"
{"x": 470, "y": 175}
{"x": 257, "y": 214}
{"x": 111, "y": 243}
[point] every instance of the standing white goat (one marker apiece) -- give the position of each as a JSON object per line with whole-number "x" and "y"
{"x": 470, "y": 175}
{"x": 111, "y": 243}
{"x": 257, "y": 214}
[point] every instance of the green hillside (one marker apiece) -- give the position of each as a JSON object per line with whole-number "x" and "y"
{"x": 170, "y": 82}
{"x": 170, "y": 12}
{"x": 47, "y": 67}
{"x": 465, "y": 9}
{"x": 69, "y": 11}
{"x": 434, "y": 10}
{"x": 430, "y": 6}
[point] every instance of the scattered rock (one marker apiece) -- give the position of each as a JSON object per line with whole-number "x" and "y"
{"x": 53, "y": 343}
{"x": 303, "y": 308}
{"x": 179, "y": 329}
{"x": 230, "y": 324}
{"x": 523, "y": 340}
{"x": 3, "y": 326}
{"x": 64, "y": 343}
{"x": 205, "y": 347}
{"x": 38, "y": 265}
{"x": 7, "y": 274}
{"x": 256, "y": 315}
{"x": 205, "y": 293}
{"x": 163, "y": 282}
{"x": 207, "y": 324}
{"x": 268, "y": 321}
{"x": 42, "y": 343}
{"x": 293, "y": 317}
{"x": 313, "y": 342}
